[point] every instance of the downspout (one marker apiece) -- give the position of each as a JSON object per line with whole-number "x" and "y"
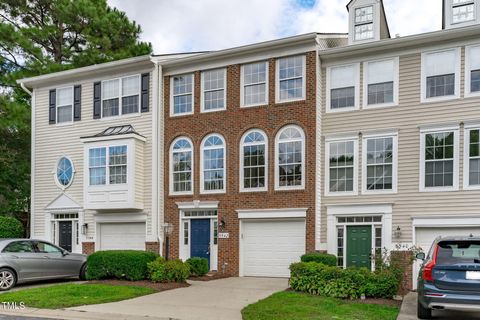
{"x": 161, "y": 158}
{"x": 318, "y": 151}
{"x": 155, "y": 159}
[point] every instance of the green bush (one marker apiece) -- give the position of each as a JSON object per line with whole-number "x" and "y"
{"x": 198, "y": 266}
{"x": 11, "y": 228}
{"x": 319, "y": 279}
{"x": 119, "y": 264}
{"x": 325, "y": 258}
{"x": 161, "y": 270}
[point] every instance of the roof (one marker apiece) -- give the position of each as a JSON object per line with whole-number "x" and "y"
{"x": 382, "y": 7}
{"x": 115, "y": 131}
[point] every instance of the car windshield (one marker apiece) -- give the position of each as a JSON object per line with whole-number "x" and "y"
{"x": 458, "y": 252}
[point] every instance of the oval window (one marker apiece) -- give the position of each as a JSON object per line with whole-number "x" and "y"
{"x": 64, "y": 171}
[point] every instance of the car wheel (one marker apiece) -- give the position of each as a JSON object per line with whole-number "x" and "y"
{"x": 422, "y": 312}
{"x": 83, "y": 272}
{"x": 8, "y": 279}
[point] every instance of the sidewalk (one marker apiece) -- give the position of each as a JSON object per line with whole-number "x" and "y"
{"x": 73, "y": 315}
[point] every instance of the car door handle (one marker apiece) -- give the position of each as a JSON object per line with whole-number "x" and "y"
{"x": 14, "y": 257}
{"x": 46, "y": 257}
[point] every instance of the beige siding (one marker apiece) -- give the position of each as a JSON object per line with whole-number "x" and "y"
{"x": 54, "y": 141}
{"x": 406, "y": 118}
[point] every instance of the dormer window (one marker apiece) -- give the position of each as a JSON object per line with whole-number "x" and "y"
{"x": 463, "y": 11}
{"x": 364, "y": 23}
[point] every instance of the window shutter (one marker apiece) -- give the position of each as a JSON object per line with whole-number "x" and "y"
{"x": 97, "y": 100}
{"x": 52, "y": 110}
{"x": 145, "y": 88}
{"x": 77, "y": 103}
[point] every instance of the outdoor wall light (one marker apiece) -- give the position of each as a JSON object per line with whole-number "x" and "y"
{"x": 168, "y": 228}
{"x": 84, "y": 228}
{"x": 398, "y": 232}
{"x": 222, "y": 224}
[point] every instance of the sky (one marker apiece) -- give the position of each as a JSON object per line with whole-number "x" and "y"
{"x": 201, "y": 25}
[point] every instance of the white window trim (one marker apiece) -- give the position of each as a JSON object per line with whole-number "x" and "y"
{"x": 277, "y": 80}
{"x": 423, "y": 78}
{"x": 394, "y": 136}
{"x": 277, "y": 173}
{"x": 456, "y": 151}
{"x": 357, "y": 88}
{"x": 61, "y": 186}
{"x": 466, "y": 158}
{"x": 242, "y": 144}
{"x": 130, "y": 162}
{"x": 202, "y": 91}
{"x": 468, "y": 72}
{"x": 202, "y": 148}
{"x": 64, "y": 123}
{"x": 396, "y": 61}
{"x": 172, "y": 107}
{"x": 120, "y": 96}
{"x": 374, "y": 24}
{"x": 242, "y": 86}
{"x": 329, "y": 140}
{"x": 178, "y": 193}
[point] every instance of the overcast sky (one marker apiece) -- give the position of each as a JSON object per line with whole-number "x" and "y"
{"x": 198, "y": 25}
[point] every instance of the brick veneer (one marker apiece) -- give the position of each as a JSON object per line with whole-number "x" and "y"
{"x": 152, "y": 247}
{"x": 88, "y": 247}
{"x": 405, "y": 260}
{"x": 232, "y": 124}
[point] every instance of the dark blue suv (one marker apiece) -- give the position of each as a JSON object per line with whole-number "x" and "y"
{"x": 450, "y": 276}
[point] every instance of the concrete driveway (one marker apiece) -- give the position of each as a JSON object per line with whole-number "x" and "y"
{"x": 217, "y": 299}
{"x": 409, "y": 311}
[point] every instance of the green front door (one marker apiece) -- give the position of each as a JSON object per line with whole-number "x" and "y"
{"x": 359, "y": 246}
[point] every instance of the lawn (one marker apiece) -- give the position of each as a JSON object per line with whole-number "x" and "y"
{"x": 293, "y": 305}
{"x": 71, "y": 295}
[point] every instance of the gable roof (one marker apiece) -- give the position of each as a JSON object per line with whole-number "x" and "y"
{"x": 382, "y": 7}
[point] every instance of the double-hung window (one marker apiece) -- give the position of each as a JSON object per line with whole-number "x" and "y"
{"x": 64, "y": 105}
{"x": 108, "y": 165}
{"x": 253, "y": 161}
{"x": 379, "y": 163}
{"x": 290, "y": 158}
{"x": 181, "y": 166}
{"x": 471, "y": 177}
{"x": 440, "y": 74}
{"x": 254, "y": 89}
{"x": 212, "y": 161}
{"x": 120, "y": 96}
{"x": 341, "y": 166}
{"x": 214, "y": 90}
{"x": 439, "y": 159}
{"x": 343, "y": 87}
{"x": 381, "y": 82}
{"x": 182, "y": 94}
{"x": 363, "y": 23}
{"x": 290, "y": 79}
{"x": 472, "y": 70}
{"x": 463, "y": 11}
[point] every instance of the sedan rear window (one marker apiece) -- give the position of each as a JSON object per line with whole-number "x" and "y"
{"x": 458, "y": 252}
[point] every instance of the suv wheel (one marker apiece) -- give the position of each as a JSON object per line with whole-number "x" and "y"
{"x": 422, "y": 312}
{"x": 7, "y": 279}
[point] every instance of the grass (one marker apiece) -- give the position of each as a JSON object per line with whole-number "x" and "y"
{"x": 71, "y": 295}
{"x": 293, "y": 305}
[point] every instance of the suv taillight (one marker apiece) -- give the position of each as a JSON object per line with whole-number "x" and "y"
{"x": 428, "y": 268}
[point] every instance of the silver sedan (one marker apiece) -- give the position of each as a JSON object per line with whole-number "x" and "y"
{"x": 25, "y": 260}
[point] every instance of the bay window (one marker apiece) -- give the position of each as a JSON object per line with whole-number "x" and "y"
{"x": 111, "y": 164}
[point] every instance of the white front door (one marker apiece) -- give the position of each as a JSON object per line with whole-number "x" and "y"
{"x": 122, "y": 236}
{"x": 268, "y": 247}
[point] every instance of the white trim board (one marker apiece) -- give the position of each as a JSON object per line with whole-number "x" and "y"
{"x": 440, "y": 222}
{"x": 272, "y": 213}
{"x": 197, "y": 204}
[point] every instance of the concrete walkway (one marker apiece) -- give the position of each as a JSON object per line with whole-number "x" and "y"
{"x": 211, "y": 300}
{"x": 409, "y": 311}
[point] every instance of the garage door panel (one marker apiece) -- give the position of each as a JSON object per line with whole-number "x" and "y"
{"x": 122, "y": 236}
{"x": 269, "y": 247}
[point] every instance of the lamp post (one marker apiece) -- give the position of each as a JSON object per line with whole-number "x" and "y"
{"x": 167, "y": 230}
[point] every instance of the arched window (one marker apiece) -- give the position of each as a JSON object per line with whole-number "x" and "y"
{"x": 64, "y": 172}
{"x": 253, "y": 161}
{"x": 181, "y": 166}
{"x": 290, "y": 158}
{"x": 212, "y": 161}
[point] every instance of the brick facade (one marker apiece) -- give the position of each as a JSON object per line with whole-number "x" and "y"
{"x": 152, "y": 247}
{"x": 88, "y": 247}
{"x": 232, "y": 124}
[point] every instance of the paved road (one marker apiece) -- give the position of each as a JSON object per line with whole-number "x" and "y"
{"x": 3, "y": 317}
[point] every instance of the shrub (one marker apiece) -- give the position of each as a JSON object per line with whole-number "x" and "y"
{"x": 11, "y": 228}
{"x": 161, "y": 270}
{"x": 119, "y": 264}
{"x": 198, "y": 266}
{"x": 320, "y": 279}
{"x": 325, "y": 258}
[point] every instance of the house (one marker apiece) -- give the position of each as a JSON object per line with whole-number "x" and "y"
{"x": 254, "y": 155}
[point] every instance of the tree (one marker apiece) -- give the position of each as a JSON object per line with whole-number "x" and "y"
{"x": 43, "y": 36}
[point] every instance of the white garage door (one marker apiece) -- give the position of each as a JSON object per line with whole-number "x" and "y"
{"x": 270, "y": 246}
{"x": 122, "y": 236}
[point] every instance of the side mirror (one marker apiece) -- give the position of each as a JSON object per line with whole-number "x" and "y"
{"x": 65, "y": 253}
{"x": 420, "y": 256}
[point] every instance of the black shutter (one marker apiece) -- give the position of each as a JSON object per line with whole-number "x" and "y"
{"x": 52, "y": 108}
{"x": 97, "y": 100}
{"x": 145, "y": 87}
{"x": 77, "y": 103}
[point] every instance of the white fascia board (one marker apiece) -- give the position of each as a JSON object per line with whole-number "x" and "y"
{"x": 360, "y": 209}
{"x": 272, "y": 213}
{"x": 114, "y": 137}
{"x": 134, "y": 217}
{"x": 197, "y": 204}
{"x": 443, "y": 221}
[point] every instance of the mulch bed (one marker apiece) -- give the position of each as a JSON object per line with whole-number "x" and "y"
{"x": 209, "y": 277}
{"x": 157, "y": 286}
